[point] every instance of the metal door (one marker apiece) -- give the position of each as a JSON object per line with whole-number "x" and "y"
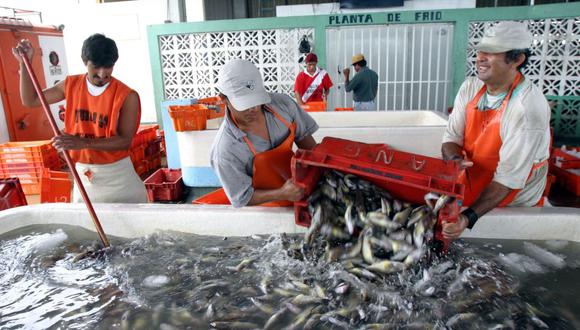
{"x": 413, "y": 62}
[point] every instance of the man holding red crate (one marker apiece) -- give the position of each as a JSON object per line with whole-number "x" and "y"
{"x": 499, "y": 130}
{"x": 312, "y": 84}
{"x": 252, "y": 151}
{"x": 101, "y": 118}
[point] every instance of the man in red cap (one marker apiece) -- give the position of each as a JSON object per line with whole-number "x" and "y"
{"x": 312, "y": 84}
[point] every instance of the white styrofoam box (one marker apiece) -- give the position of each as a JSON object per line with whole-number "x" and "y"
{"x": 137, "y": 220}
{"x": 358, "y": 119}
{"x": 417, "y": 132}
{"x": 415, "y": 139}
{"x": 194, "y": 148}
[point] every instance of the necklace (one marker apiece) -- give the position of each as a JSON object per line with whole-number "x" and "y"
{"x": 490, "y": 102}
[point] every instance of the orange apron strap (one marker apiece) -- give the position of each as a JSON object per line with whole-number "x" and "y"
{"x": 250, "y": 145}
{"x": 247, "y": 140}
{"x": 219, "y": 197}
{"x": 268, "y": 166}
{"x": 280, "y": 118}
{"x": 215, "y": 197}
{"x": 512, "y": 195}
{"x": 537, "y": 166}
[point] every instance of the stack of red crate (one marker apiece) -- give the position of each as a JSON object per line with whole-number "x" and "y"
{"x": 26, "y": 161}
{"x": 565, "y": 165}
{"x": 146, "y": 149}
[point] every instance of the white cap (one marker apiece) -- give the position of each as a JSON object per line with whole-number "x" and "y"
{"x": 505, "y": 36}
{"x": 241, "y": 82}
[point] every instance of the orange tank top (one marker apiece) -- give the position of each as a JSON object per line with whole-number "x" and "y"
{"x": 94, "y": 117}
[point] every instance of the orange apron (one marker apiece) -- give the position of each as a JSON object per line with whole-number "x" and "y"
{"x": 271, "y": 168}
{"x": 481, "y": 143}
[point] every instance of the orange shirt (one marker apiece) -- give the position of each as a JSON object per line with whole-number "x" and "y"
{"x": 94, "y": 117}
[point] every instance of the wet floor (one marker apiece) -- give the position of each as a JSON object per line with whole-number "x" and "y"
{"x": 173, "y": 280}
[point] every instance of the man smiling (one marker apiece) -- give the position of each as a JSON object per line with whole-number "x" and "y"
{"x": 499, "y": 130}
{"x": 101, "y": 117}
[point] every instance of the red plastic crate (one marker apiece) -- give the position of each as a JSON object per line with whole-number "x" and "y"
{"x": 164, "y": 185}
{"x": 27, "y": 147}
{"x": 137, "y": 153}
{"x": 29, "y": 177}
{"x": 153, "y": 147}
{"x": 216, "y": 108}
{"x": 55, "y": 187}
{"x": 566, "y": 160}
{"x": 406, "y": 176}
{"x": 563, "y": 166}
{"x": 315, "y": 106}
{"x": 11, "y": 194}
{"x": 26, "y": 152}
{"x": 144, "y": 134}
{"x": 162, "y": 136}
{"x": 141, "y": 166}
{"x": 30, "y": 187}
{"x": 9, "y": 169}
{"x": 154, "y": 162}
{"x": 188, "y": 117}
{"x": 30, "y": 157}
{"x": 566, "y": 178}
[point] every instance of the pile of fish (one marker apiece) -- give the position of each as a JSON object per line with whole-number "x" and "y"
{"x": 359, "y": 266}
{"x": 367, "y": 230}
{"x": 171, "y": 280}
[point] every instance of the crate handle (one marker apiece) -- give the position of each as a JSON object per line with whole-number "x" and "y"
{"x": 356, "y": 151}
{"x": 386, "y": 159}
{"x": 418, "y": 164}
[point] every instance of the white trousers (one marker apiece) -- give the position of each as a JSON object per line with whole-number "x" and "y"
{"x": 111, "y": 183}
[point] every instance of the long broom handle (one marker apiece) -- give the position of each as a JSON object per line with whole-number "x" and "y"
{"x": 69, "y": 162}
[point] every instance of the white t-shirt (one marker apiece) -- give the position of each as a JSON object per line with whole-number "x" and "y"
{"x": 525, "y": 135}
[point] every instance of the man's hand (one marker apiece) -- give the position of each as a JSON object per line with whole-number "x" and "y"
{"x": 461, "y": 162}
{"x": 346, "y": 72}
{"x": 452, "y": 230}
{"x": 68, "y": 142}
{"x": 454, "y": 152}
{"x": 26, "y": 47}
{"x": 291, "y": 192}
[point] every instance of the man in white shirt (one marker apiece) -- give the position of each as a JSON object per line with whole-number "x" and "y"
{"x": 499, "y": 130}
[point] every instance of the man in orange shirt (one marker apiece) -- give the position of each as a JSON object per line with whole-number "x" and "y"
{"x": 312, "y": 84}
{"x": 101, "y": 118}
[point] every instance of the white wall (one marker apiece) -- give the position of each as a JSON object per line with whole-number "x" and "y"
{"x": 125, "y": 22}
{"x": 334, "y": 8}
{"x": 194, "y": 10}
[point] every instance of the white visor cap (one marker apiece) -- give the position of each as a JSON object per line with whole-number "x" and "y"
{"x": 241, "y": 82}
{"x": 505, "y": 36}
